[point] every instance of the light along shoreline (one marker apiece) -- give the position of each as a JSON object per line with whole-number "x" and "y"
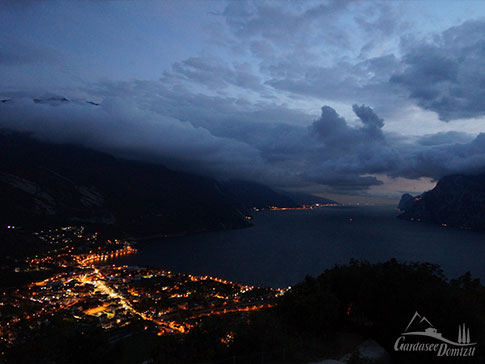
{"x": 302, "y": 207}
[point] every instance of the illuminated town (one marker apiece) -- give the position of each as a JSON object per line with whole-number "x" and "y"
{"x": 85, "y": 285}
{"x": 302, "y": 207}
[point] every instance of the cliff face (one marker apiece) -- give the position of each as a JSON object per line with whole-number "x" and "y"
{"x": 457, "y": 200}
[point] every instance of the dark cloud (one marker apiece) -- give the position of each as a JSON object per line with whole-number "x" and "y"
{"x": 121, "y": 127}
{"x": 231, "y": 111}
{"x": 346, "y": 155}
{"x": 366, "y": 81}
{"x": 446, "y": 75}
{"x": 372, "y": 123}
{"x": 334, "y": 130}
{"x": 436, "y": 161}
{"x": 344, "y": 184}
{"x": 330, "y": 124}
{"x": 349, "y": 156}
{"x": 228, "y": 137}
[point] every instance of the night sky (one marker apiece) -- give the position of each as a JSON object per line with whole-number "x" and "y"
{"x": 356, "y": 100}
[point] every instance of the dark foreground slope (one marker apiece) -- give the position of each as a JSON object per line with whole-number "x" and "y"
{"x": 457, "y": 200}
{"x": 43, "y": 183}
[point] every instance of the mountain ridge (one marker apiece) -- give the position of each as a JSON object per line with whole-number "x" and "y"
{"x": 456, "y": 200}
{"x": 44, "y": 183}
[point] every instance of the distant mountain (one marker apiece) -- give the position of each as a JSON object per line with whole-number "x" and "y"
{"x": 43, "y": 183}
{"x": 457, "y": 200}
{"x": 308, "y": 199}
{"x": 54, "y": 100}
{"x": 250, "y": 194}
{"x": 406, "y": 202}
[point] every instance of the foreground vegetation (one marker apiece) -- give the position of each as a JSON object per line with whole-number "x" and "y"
{"x": 322, "y": 317}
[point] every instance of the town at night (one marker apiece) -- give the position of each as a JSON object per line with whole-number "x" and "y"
{"x": 242, "y": 182}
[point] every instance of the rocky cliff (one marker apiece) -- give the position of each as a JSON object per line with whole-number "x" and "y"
{"x": 457, "y": 200}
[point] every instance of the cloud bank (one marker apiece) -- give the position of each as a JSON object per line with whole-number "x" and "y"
{"x": 447, "y": 74}
{"x": 247, "y": 103}
{"x": 328, "y": 151}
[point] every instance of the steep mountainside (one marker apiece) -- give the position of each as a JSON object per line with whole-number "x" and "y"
{"x": 249, "y": 194}
{"x": 406, "y": 202}
{"x": 43, "y": 183}
{"x": 457, "y": 200}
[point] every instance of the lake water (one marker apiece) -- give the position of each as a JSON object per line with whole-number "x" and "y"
{"x": 284, "y": 246}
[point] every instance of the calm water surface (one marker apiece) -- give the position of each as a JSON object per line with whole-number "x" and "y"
{"x": 284, "y": 246}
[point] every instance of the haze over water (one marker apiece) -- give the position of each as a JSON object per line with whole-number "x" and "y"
{"x": 284, "y": 246}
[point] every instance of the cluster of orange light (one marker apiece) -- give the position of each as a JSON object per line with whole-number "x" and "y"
{"x": 38, "y": 261}
{"x": 164, "y": 327}
{"x": 232, "y": 310}
{"x": 218, "y": 280}
{"x": 303, "y": 207}
{"x": 86, "y": 259}
{"x": 95, "y": 310}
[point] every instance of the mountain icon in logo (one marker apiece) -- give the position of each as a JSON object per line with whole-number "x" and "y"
{"x": 418, "y": 323}
{"x": 421, "y": 326}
